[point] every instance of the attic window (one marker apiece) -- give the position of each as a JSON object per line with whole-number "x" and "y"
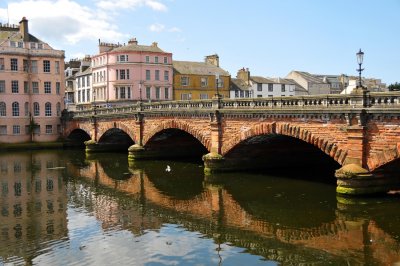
{"x": 40, "y": 45}
{"x": 13, "y": 44}
{"x": 33, "y": 45}
{"x": 122, "y": 58}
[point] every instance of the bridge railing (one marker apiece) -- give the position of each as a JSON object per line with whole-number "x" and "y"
{"x": 370, "y": 100}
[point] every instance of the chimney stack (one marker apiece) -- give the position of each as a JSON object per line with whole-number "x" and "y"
{"x": 133, "y": 41}
{"x": 23, "y": 29}
{"x": 212, "y": 59}
{"x": 244, "y": 74}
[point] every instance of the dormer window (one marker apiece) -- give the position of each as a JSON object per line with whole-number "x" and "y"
{"x": 20, "y": 45}
{"x": 33, "y": 45}
{"x": 13, "y": 44}
{"x": 40, "y": 45}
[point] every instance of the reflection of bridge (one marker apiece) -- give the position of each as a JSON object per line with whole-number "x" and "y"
{"x": 227, "y": 220}
{"x": 359, "y": 132}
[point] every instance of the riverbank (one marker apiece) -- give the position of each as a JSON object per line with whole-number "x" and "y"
{"x": 31, "y": 146}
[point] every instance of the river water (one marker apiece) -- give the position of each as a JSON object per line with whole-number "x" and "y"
{"x": 69, "y": 208}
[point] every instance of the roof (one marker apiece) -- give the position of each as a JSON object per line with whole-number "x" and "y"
{"x": 309, "y": 77}
{"x": 283, "y": 81}
{"x": 198, "y": 68}
{"x": 13, "y": 34}
{"x": 138, "y": 48}
{"x": 258, "y": 79}
{"x": 297, "y": 87}
{"x": 87, "y": 71}
{"x": 239, "y": 84}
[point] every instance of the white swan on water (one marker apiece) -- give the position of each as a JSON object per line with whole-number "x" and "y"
{"x": 168, "y": 169}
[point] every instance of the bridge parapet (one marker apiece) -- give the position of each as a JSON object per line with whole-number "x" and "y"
{"x": 388, "y": 100}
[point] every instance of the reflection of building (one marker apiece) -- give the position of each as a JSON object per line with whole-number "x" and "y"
{"x": 31, "y": 86}
{"x": 33, "y": 203}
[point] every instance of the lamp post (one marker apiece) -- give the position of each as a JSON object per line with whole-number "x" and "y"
{"x": 217, "y": 84}
{"x": 360, "y": 58}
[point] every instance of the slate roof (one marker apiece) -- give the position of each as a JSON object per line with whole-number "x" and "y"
{"x": 262, "y": 80}
{"x": 197, "y": 68}
{"x": 297, "y": 87}
{"x": 87, "y": 71}
{"x": 13, "y": 34}
{"x": 138, "y": 48}
{"x": 239, "y": 84}
{"x": 309, "y": 77}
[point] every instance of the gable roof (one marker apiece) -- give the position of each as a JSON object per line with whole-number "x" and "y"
{"x": 138, "y": 48}
{"x": 262, "y": 80}
{"x": 309, "y": 77}
{"x": 239, "y": 84}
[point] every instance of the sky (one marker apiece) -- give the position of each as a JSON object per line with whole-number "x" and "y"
{"x": 270, "y": 37}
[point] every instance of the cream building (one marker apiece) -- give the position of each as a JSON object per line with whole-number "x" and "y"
{"x": 31, "y": 86}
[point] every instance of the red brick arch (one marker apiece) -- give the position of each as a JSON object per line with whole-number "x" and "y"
{"x": 81, "y": 127}
{"x": 327, "y": 146}
{"x": 104, "y": 127}
{"x": 184, "y": 126}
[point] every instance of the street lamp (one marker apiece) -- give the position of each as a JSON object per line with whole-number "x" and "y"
{"x": 360, "y": 58}
{"x": 217, "y": 84}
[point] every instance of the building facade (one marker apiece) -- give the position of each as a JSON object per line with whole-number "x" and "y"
{"x": 200, "y": 80}
{"x": 311, "y": 83}
{"x": 122, "y": 74}
{"x": 31, "y": 86}
{"x": 247, "y": 86}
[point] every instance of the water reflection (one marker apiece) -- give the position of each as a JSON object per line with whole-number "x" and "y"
{"x": 182, "y": 217}
{"x": 33, "y": 204}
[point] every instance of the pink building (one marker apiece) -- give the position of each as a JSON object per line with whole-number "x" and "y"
{"x": 31, "y": 86}
{"x": 129, "y": 73}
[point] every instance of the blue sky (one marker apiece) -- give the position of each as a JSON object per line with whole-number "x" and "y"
{"x": 270, "y": 37}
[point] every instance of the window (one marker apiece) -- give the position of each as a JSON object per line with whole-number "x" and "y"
{"x": 148, "y": 92}
{"x": 204, "y": 82}
{"x": 156, "y": 59}
{"x": 2, "y": 86}
{"x": 1, "y": 63}
{"x": 47, "y": 109}
{"x": 25, "y": 65}
{"x": 259, "y": 87}
{"x": 13, "y": 44}
{"x": 157, "y": 75}
{"x": 47, "y": 87}
{"x": 283, "y": 88}
{"x": 157, "y": 92}
{"x": 166, "y": 75}
{"x": 14, "y": 86}
{"x": 26, "y": 109}
{"x": 35, "y": 87}
{"x": 49, "y": 129}
{"x": 34, "y": 66}
{"x": 122, "y": 58}
{"x": 270, "y": 87}
{"x": 40, "y": 45}
{"x": 3, "y": 130}
{"x": 83, "y": 81}
{"x": 88, "y": 80}
{"x": 166, "y": 93}
{"x": 46, "y": 66}
{"x": 122, "y": 92}
{"x": 58, "y": 85}
{"x": 203, "y": 96}
{"x": 58, "y": 109}
{"x": 57, "y": 65}
{"x": 121, "y": 74}
{"x": 88, "y": 95}
{"x": 147, "y": 74}
{"x": 3, "y": 109}
{"x": 259, "y": 96}
{"x": 14, "y": 64}
{"x": 165, "y": 60}
{"x": 15, "y": 109}
{"x": 16, "y": 129}
{"x": 186, "y": 96}
{"x": 147, "y": 59}
{"x": 36, "y": 129}
{"x": 185, "y": 81}
{"x": 83, "y": 96}
{"x": 33, "y": 45}
{"x": 36, "y": 109}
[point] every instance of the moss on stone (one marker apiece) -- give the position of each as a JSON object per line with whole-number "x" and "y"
{"x": 350, "y": 171}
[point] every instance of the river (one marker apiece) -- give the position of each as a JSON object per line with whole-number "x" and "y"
{"x": 69, "y": 208}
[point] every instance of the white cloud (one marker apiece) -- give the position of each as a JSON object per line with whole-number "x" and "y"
{"x": 156, "y": 27}
{"x": 63, "y": 21}
{"x": 130, "y": 4}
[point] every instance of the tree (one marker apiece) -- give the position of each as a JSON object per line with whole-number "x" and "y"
{"x": 394, "y": 87}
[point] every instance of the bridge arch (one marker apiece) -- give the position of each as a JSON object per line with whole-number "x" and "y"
{"x": 117, "y": 125}
{"x": 287, "y": 129}
{"x": 186, "y": 127}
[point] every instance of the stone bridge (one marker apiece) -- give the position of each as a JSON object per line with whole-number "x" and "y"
{"x": 358, "y": 133}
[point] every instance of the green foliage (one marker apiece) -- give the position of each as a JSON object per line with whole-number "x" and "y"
{"x": 394, "y": 87}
